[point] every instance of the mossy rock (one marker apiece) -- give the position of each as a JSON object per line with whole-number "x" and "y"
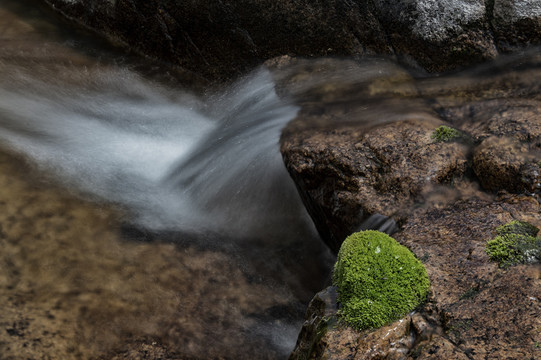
{"x": 378, "y": 280}
{"x": 517, "y": 227}
{"x": 515, "y": 244}
{"x": 447, "y": 134}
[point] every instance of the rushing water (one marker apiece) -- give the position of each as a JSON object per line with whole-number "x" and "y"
{"x": 230, "y": 257}
{"x": 195, "y": 170}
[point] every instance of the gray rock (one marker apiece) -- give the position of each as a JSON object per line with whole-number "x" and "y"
{"x": 439, "y": 35}
{"x": 218, "y": 39}
{"x": 516, "y": 23}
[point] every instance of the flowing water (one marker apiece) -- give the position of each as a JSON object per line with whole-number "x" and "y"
{"x": 142, "y": 212}
{"x": 199, "y": 172}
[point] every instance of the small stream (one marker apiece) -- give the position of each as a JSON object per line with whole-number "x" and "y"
{"x": 198, "y": 170}
{"x": 142, "y": 207}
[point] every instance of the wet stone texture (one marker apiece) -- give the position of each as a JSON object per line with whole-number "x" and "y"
{"x": 485, "y": 311}
{"x": 399, "y": 162}
{"x": 508, "y": 134}
{"x": 74, "y": 286}
{"x": 447, "y": 198}
{"x": 475, "y": 310}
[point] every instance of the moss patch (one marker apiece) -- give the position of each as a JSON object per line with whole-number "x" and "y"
{"x": 378, "y": 280}
{"x": 446, "y": 134}
{"x": 515, "y": 244}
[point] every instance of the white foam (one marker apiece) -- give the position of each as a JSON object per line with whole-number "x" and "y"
{"x": 173, "y": 160}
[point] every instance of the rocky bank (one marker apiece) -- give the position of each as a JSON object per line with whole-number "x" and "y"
{"x": 218, "y": 39}
{"x": 447, "y": 197}
{"x": 349, "y": 161}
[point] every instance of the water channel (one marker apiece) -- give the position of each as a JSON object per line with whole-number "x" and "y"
{"x": 141, "y": 208}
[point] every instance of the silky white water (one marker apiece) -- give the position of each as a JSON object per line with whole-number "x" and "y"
{"x": 173, "y": 160}
{"x": 201, "y": 170}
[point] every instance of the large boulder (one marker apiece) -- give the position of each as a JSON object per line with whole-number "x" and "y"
{"x": 355, "y": 152}
{"x": 516, "y": 23}
{"x": 379, "y": 153}
{"x": 439, "y": 35}
{"x": 223, "y": 38}
{"x": 219, "y": 39}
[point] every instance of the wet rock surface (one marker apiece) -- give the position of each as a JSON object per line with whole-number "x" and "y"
{"x": 476, "y": 310}
{"x": 74, "y": 285}
{"x": 354, "y": 153}
{"x": 219, "y": 39}
{"x": 399, "y": 163}
{"x": 485, "y": 311}
{"x": 448, "y": 198}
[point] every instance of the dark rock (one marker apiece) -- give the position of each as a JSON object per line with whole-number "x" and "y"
{"x": 320, "y": 316}
{"x": 219, "y": 39}
{"x": 516, "y": 23}
{"x": 439, "y": 35}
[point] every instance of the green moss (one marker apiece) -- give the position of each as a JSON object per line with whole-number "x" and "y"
{"x": 515, "y": 244}
{"x": 378, "y": 280}
{"x": 446, "y": 134}
{"x": 517, "y": 227}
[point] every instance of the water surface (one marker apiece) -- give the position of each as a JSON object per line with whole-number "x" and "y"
{"x": 141, "y": 209}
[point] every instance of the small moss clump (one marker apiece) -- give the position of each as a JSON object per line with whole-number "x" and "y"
{"x": 515, "y": 244}
{"x": 517, "y": 227}
{"x": 446, "y": 134}
{"x": 378, "y": 280}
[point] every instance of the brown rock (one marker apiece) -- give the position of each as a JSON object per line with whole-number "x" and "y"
{"x": 485, "y": 311}
{"x": 344, "y": 169}
{"x": 324, "y": 337}
{"x": 73, "y": 286}
{"x": 508, "y": 134}
{"x": 475, "y": 309}
{"x": 349, "y": 173}
{"x": 506, "y": 164}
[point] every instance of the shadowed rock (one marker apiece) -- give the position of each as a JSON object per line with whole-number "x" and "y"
{"x": 219, "y": 39}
